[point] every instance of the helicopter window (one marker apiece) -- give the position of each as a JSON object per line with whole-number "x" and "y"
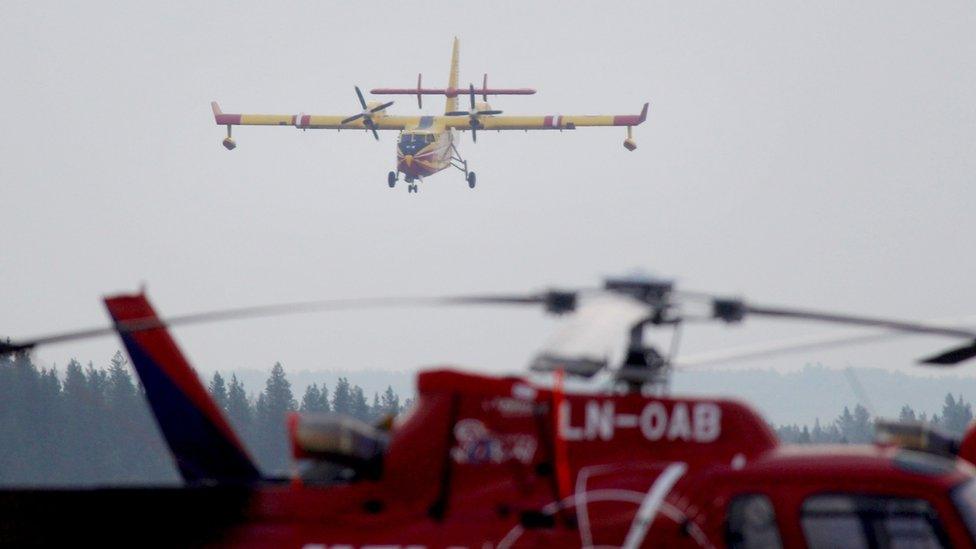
{"x": 871, "y": 522}
{"x": 751, "y": 523}
{"x": 964, "y": 497}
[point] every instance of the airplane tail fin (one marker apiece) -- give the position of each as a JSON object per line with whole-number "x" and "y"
{"x": 204, "y": 446}
{"x": 452, "y": 82}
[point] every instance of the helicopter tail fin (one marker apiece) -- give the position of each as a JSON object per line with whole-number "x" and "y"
{"x": 204, "y": 446}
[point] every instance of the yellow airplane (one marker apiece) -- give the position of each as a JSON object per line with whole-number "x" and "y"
{"x": 428, "y": 144}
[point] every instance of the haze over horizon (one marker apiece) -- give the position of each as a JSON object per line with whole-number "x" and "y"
{"x": 806, "y": 154}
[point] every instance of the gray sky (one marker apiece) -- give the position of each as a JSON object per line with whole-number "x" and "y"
{"x": 812, "y": 153}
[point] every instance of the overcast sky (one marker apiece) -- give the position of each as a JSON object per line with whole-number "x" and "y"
{"x": 810, "y": 153}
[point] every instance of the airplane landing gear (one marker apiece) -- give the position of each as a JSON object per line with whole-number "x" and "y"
{"x": 412, "y": 188}
{"x": 391, "y": 179}
{"x": 462, "y": 164}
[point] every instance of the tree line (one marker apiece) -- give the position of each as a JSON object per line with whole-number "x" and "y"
{"x": 91, "y": 425}
{"x": 857, "y": 426}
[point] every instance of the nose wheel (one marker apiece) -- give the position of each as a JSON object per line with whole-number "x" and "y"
{"x": 412, "y": 188}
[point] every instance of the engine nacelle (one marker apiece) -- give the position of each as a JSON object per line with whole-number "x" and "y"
{"x": 229, "y": 143}
{"x": 482, "y": 106}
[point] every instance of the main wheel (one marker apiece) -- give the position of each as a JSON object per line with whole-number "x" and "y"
{"x": 471, "y": 180}
{"x": 391, "y": 179}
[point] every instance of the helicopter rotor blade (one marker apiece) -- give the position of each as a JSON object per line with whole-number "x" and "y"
{"x": 855, "y": 320}
{"x": 554, "y": 301}
{"x": 952, "y": 356}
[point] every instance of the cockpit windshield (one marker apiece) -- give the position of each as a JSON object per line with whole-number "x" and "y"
{"x": 410, "y": 143}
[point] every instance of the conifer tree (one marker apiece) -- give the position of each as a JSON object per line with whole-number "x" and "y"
{"x": 342, "y": 397}
{"x": 272, "y": 407}
{"x": 817, "y": 435}
{"x": 324, "y": 404}
{"x": 863, "y": 429}
{"x": 907, "y": 414}
{"x": 845, "y": 424}
{"x": 312, "y": 400}
{"x": 78, "y": 412}
{"x": 218, "y": 391}
{"x": 359, "y": 407}
{"x": 374, "y": 409}
{"x": 956, "y": 414}
{"x": 238, "y": 407}
{"x": 389, "y": 403}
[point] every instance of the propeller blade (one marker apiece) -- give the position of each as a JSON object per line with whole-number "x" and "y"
{"x": 484, "y": 88}
{"x": 554, "y": 301}
{"x": 457, "y": 113}
{"x": 489, "y": 113}
{"x": 472, "y": 96}
{"x": 362, "y": 101}
{"x": 379, "y": 108}
{"x": 353, "y": 117}
{"x": 474, "y": 130}
{"x": 368, "y": 122}
{"x": 952, "y": 356}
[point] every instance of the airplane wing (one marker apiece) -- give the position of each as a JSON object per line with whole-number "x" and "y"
{"x": 550, "y": 122}
{"x": 311, "y": 121}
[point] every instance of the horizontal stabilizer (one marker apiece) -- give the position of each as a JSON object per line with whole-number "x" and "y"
{"x": 452, "y": 92}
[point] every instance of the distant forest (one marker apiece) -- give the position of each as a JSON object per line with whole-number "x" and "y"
{"x": 858, "y": 426}
{"x": 91, "y": 425}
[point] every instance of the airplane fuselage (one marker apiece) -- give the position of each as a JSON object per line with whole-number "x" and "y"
{"x": 422, "y": 152}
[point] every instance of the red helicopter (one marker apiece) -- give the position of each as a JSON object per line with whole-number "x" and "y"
{"x": 485, "y": 461}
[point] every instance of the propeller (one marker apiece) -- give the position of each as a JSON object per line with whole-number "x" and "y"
{"x": 367, "y": 113}
{"x": 473, "y": 114}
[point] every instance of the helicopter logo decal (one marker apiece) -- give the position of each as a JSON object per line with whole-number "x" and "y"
{"x": 478, "y": 444}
